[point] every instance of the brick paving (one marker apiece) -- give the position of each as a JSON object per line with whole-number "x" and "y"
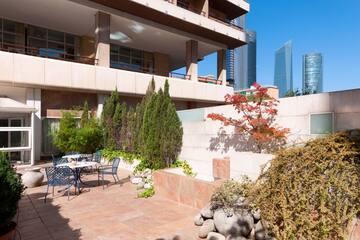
{"x": 112, "y": 213}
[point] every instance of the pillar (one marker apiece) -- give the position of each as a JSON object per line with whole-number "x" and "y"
{"x": 221, "y": 66}
{"x": 102, "y": 39}
{"x": 161, "y": 64}
{"x": 191, "y": 59}
{"x": 33, "y": 99}
{"x": 100, "y": 104}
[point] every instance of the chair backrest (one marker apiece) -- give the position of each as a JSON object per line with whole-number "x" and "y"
{"x": 58, "y": 176}
{"x": 97, "y": 157}
{"x": 115, "y": 165}
{"x": 59, "y": 160}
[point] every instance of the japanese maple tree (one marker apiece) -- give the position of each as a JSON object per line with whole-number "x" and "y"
{"x": 256, "y": 121}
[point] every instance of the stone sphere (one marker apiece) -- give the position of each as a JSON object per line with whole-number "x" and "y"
{"x": 32, "y": 178}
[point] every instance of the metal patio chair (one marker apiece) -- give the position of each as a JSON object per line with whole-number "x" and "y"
{"x": 109, "y": 170}
{"x": 59, "y": 176}
{"x": 58, "y": 160}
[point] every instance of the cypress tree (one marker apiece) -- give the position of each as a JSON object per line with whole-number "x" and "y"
{"x": 123, "y": 130}
{"x": 85, "y": 114}
{"x": 139, "y": 115}
{"x": 117, "y": 124}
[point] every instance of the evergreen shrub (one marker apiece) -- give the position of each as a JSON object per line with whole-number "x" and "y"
{"x": 312, "y": 192}
{"x": 10, "y": 194}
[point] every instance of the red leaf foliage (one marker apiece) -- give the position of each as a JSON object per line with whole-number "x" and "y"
{"x": 257, "y": 114}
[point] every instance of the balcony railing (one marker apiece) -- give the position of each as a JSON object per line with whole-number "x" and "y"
{"x": 186, "y": 5}
{"x": 46, "y": 53}
{"x": 209, "y": 80}
{"x": 225, "y": 21}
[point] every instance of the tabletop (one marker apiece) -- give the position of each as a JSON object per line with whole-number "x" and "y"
{"x": 73, "y": 165}
{"x": 74, "y": 156}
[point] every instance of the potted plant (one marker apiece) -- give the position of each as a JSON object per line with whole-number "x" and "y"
{"x": 10, "y": 194}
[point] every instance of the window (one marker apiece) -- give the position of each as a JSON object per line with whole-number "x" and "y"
{"x": 131, "y": 59}
{"x": 321, "y": 123}
{"x": 49, "y": 126}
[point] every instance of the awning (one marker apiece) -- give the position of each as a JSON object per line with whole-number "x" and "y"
{"x": 10, "y": 105}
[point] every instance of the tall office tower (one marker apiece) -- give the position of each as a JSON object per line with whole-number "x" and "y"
{"x": 242, "y": 61}
{"x": 313, "y": 73}
{"x": 283, "y": 77}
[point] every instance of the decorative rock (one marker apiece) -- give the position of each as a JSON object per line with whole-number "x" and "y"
{"x": 236, "y": 238}
{"x": 198, "y": 220}
{"x": 32, "y": 178}
{"x": 207, "y": 227}
{"x": 207, "y": 211}
{"x": 236, "y": 225}
{"x": 220, "y": 221}
{"x": 147, "y": 185}
{"x": 140, "y": 185}
{"x": 256, "y": 214}
{"x": 260, "y": 233}
{"x": 136, "y": 180}
{"x": 215, "y": 236}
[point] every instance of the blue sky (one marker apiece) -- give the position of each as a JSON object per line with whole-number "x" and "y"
{"x": 331, "y": 27}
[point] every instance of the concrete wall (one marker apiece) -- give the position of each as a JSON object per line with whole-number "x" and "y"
{"x": 202, "y": 140}
{"x": 23, "y": 70}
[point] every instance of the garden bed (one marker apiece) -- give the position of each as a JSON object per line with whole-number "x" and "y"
{"x": 174, "y": 185}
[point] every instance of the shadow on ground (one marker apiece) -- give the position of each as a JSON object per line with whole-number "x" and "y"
{"x": 42, "y": 221}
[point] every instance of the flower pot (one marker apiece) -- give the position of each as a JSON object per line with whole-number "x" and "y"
{"x": 10, "y": 235}
{"x": 32, "y": 178}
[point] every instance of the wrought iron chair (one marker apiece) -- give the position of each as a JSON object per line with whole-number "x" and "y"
{"x": 59, "y": 176}
{"x": 109, "y": 170}
{"x": 58, "y": 160}
{"x": 97, "y": 157}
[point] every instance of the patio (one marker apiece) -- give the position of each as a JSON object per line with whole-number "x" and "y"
{"x": 112, "y": 213}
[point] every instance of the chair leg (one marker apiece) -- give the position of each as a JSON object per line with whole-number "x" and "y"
{"x": 103, "y": 180}
{"x": 68, "y": 190}
{"x": 114, "y": 177}
{"x": 98, "y": 178}
{"x": 53, "y": 191}
{"x": 47, "y": 189}
{"x": 118, "y": 179}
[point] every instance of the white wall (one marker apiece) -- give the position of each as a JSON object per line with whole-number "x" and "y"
{"x": 35, "y": 72}
{"x": 201, "y": 134}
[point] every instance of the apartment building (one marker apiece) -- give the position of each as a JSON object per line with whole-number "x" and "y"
{"x": 57, "y": 54}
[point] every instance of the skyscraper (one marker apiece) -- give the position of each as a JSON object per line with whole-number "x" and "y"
{"x": 283, "y": 77}
{"x": 313, "y": 73}
{"x": 241, "y": 62}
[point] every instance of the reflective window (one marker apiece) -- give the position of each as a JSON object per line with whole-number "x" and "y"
{"x": 321, "y": 123}
{"x": 131, "y": 59}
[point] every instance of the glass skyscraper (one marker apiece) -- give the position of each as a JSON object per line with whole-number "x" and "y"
{"x": 241, "y": 62}
{"x": 283, "y": 77}
{"x": 313, "y": 73}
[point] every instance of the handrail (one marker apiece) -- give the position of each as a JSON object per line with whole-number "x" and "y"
{"x": 179, "y": 75}
{"x": 209, "y": 80}
{"x": 225, "y": 21}
{"x": 46, "y": 53}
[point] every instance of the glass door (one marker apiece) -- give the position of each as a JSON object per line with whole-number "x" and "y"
{"x": 15, "y": 139}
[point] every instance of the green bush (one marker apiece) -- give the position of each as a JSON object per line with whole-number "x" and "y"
{"x": 10, "y": 193}
{"x": 312, "y": 192}
{"x": 147, "y": 193}
{"x": 129, "y": 157}
{"x": 83, "y": 137}
{"x": 227, "y": 195}
{"x": 187, "y": 169}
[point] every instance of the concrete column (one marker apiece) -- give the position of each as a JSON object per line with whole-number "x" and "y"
{"x": 191, "y": 59}
{"x": 221, "y": 66}
{"x": 161, "y": 64}
{"x": 205, "y": 8}
{"x": 33, "y": 99}
{"x": 100, "y": 106}
{"x": 102, "y": 39}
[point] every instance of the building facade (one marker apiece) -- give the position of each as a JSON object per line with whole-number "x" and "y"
{"x": 241, "y": 62}
{"x": 58, "y": 54}
{"x": 283, "y": 76}
{"x": 313, "y": 73}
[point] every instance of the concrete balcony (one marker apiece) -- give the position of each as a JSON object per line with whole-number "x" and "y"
{"x": 31, "y": 71}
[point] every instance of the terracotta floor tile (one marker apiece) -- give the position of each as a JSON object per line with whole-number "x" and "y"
{"x": 102, "y": 214}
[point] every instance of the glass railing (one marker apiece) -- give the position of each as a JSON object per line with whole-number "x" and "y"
{"x": 46, "y": 53}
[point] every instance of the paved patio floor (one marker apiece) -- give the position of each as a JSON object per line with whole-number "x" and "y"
{"x": 112, "y": 213}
